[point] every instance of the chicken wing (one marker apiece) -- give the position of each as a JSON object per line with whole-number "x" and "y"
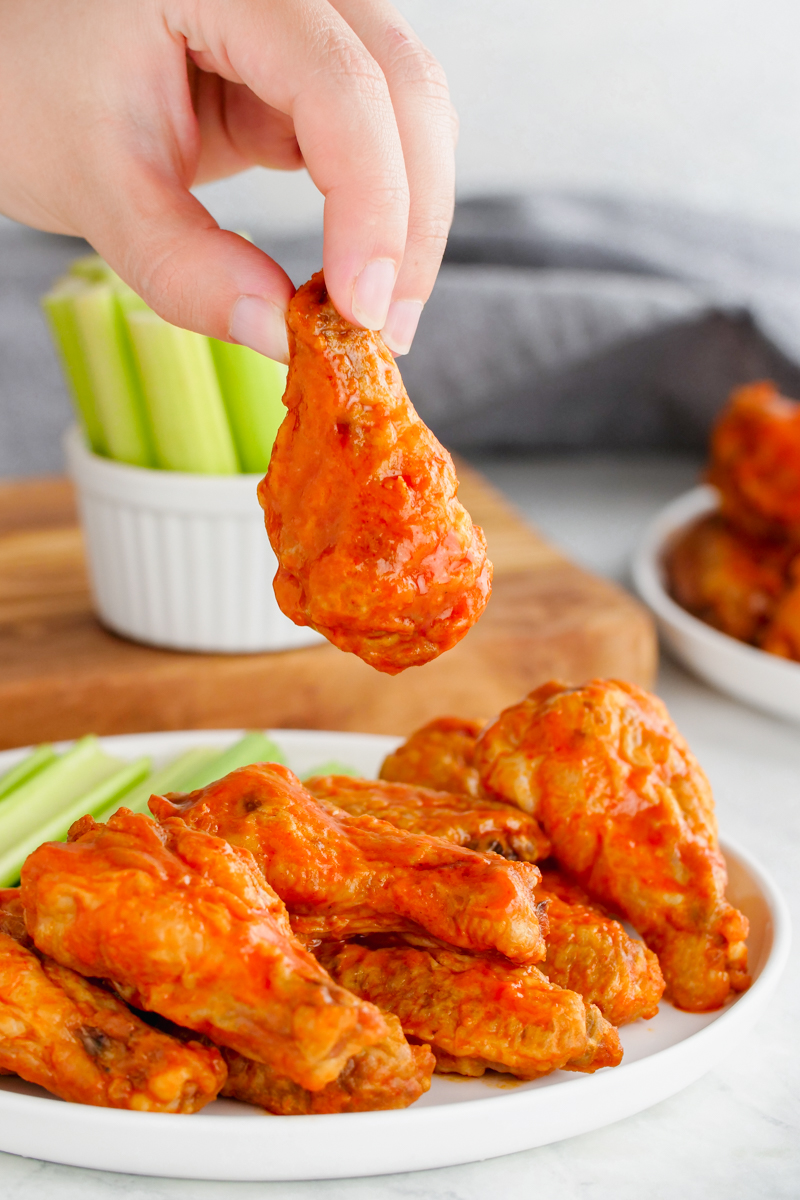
{"x": 476, "y": 1013}
{"x": 440, "y": 755}
{"x": 391, "y": 1074}
{"x": 729, "y": 579}
{"x": 587, "y": 951}
{"x": 81, "y": 1043}
{"x": 374, "y": 549}
{"x": 590, "y": 953}
{"x": 340, "y": 875}
{"x": 184, "y": 925}
{"x": 631, "y": 816}
{"x": 755, "y": 462}
{"x": 477, "y": 824}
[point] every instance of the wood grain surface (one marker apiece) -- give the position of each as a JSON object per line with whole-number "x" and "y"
{"x": 62, "y": 674}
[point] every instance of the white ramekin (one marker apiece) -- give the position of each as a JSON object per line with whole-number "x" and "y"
{"x": 763, "y": 680}
{"x": 179, "y": 560}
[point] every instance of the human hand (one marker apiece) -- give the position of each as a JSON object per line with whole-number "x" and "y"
{"x": 110, "y": 110}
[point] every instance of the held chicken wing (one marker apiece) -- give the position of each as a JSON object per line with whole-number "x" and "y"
{"x": 440, "y": 755}
{"x": 391, "y": 1074}
{"x": 477, "y": 824}
{"x": 729, "y": 579}
{"x": 82, "y": 1044}
{"x": 340, "y": 875}
{"x": 587, "y": 951}
{"x": 374, "y": 549}
{"x": 631, "y": 816}
{"x": 184, "y": 925}
{"x": 755, "y": 462}
{"x": 476, "y": 1013}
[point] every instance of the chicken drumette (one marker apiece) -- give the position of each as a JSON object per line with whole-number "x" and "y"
{"x": 184, "y": 925}
{"x": 631, "y": 817}
{"x": 476, "y": 1013}
{"x": 374, "y": 549}
{"x": 340, "y": 876}
{"x": 587, "y": 951}
{"x": 82, "y": 1043}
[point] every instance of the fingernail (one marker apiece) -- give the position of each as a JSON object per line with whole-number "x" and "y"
{"x": 261, "y": 325}
{"x": 401, "y": 325}
{"x": 372, "y": 293}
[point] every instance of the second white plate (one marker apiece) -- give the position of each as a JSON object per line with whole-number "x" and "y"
{"x": 458, "y": 1121}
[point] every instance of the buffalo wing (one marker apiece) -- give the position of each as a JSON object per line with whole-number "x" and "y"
{"x": 374, "y": 549}
{"x": 631, "y": 817}
{"x": 83, "y": 1044}
{"x": 184, "y": 925}
{"x": 341, "y": 875}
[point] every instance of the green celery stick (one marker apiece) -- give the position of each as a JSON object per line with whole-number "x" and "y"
{"x": 112, "y": 370}
{"x": 53, "y": 789}
{"x": 252, "y": 748}
{"x": 92, "y": 267}
{"x": 182, "y": 395}
{"x": 252, "y": 387}
{"x": 55, "y": 828}
{"x": 30, "y": 765}
{"x": 333, "y": 767}
{"x": 172, "y": 778}
{"x": 58, "y": 306}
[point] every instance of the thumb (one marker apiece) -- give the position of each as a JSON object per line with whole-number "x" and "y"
{"x": 161, "y": 240}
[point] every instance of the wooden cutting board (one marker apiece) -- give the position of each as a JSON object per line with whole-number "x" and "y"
{"x": 62, "y": 674}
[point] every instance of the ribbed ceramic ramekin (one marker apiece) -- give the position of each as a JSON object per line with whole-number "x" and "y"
{"x": 179, "y": 560}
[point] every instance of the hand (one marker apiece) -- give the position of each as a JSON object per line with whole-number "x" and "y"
{"x": 110, "y": 110}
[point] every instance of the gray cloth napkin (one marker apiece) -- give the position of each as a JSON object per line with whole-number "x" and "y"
{"x": 557, "y": 322}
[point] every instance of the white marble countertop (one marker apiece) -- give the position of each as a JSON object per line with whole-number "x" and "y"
{"x": 735, "y": 1133}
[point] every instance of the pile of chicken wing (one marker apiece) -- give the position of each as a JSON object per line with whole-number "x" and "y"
{"x": 324, "y": 947}
{"x": 739, "y": 568}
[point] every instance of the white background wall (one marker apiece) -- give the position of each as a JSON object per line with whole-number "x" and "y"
{"x": 696, "y": 101}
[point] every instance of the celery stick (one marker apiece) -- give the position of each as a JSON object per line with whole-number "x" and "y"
{"x": 333, "y": 767}
{"x": 253, "y": 747}
{"x": 172, "y": 778}
{"x": 52, "y": 790}
{"x": 30, "y": 765}
{"x": 252, "y": 387}
{"x": 92, "y": 267}
{"x": 184, "y": 403}
{"x": 55, "y": 829}
{"x": 112, "y": 370}
{"x": 58, "y": 306}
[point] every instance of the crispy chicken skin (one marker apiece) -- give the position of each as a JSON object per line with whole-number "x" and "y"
{"x": 477, "y": 824}
{"x": 755, "y": 462}
{"x": 374, "y": 550}
{"x": 631, "y": 816}
{"x": 590, "y": 953}
{"x": 340, "y": 875}
{"x": 587, "y": 951}
{"x": 729, "y": 579}
{"x": 440, "y": 755}
{"x": 82, "y": 1044}
{"x": 391, "y": 1074}
{"x": 184, "y": 925}
{"x": 476, "y": 1013}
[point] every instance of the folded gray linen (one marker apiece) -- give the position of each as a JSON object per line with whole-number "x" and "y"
{"x": 557, "y": 322}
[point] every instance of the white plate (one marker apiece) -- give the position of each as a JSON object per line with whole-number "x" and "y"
{"x": 457, "y": 1121}
{"x": 749, "y": 674}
